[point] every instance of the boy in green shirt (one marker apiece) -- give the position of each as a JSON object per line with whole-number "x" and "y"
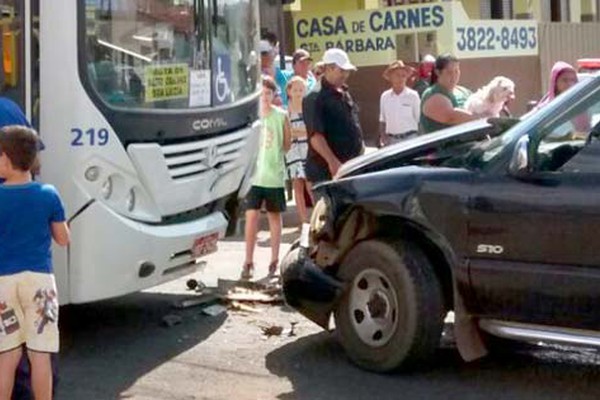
{"x": 268, "y": 182}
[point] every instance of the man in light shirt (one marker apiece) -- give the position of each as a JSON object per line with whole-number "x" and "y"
{"x": 400, "y": 106}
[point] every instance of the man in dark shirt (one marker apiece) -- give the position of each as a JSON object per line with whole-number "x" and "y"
{"x": 331, "y": 118}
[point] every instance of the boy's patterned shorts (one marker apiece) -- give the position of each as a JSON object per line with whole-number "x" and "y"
{"x": 29, "y": 312}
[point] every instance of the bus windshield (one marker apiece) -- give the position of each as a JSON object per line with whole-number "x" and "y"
{"x": 171, "y": 54}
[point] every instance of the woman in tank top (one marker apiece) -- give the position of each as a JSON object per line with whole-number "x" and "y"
{"x": 441, "y": 104}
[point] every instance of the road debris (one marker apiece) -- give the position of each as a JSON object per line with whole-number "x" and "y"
{"x": 191, "y": 284}
{"x": 195, "y": 284}
{"x": 293, "y": 325}
{"x": 225, "y": 285}
{"x": 267, "y": 290}
{"x": 171, "y": 320}
{"x": 273, "y": 330}
{"x": 205, "y": 299}
{"x": 251, "y": 296}
{"x": 241, "y": 296}
{"x": 237, "y": 306}
{"x": 214, "y": 310}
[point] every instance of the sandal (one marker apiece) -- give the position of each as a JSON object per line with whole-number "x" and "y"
{"x": 247, "y": 271}
{"x": 273, "y": 267}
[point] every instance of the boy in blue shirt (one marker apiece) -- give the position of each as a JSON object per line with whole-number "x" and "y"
{"x": 31, "y": 214}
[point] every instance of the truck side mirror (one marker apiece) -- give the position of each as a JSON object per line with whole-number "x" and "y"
{"x": 519, "y": 163}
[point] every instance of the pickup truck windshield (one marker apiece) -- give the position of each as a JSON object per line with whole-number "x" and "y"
{"x": 573, "y": 116}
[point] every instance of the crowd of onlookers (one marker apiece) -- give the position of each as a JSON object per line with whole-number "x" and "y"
{"x": 311, "y": 122}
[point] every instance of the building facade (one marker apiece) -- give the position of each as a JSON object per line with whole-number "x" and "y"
{"x": 520, "y": 39}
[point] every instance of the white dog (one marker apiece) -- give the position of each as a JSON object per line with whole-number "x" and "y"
{"x": 490, "y": 99}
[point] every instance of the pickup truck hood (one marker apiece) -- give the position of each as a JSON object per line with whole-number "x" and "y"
{"x": 426, "y": 149}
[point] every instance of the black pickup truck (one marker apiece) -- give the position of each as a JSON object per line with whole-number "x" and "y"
{"x": 493, "y": 220}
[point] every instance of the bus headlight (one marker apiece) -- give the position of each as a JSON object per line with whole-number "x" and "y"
{"x": 92, "y": 173}
{"x": 107, "y": 188}
{"x": 119, "y": 189}
{"x": 130, "y": 200}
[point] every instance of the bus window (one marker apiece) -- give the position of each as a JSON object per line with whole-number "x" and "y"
{"x": 9, "y": 58}
{"x": 166, "y": 55}
{"x": 12, "y": 77}
{"x": 234, "y": 54}
{"x": 35, "y": 63}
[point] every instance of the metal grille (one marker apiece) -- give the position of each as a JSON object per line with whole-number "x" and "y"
{"x": 199, "y": 157}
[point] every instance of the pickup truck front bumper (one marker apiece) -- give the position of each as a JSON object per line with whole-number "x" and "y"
{"x": 309, "y": 289}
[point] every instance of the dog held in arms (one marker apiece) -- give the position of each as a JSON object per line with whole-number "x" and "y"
{"x": 490, "y": 99}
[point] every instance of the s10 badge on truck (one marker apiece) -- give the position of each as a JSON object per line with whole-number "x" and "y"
{"x": 489, "y": 249}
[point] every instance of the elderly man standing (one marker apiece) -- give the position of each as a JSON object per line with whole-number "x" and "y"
{"x": 332, "y": 122}
{"x": 399, "y": 106}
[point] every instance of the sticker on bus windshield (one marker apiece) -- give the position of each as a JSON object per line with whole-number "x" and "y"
{"x": 200, "y": 94}
{"x": 166, "y": 82}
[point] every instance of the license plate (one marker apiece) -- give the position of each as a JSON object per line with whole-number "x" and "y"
{"x": 205, "y": 245}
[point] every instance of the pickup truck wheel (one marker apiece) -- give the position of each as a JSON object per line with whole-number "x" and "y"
{"x": 391, "y": 316}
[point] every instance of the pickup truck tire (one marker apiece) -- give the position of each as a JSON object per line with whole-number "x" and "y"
{"x": 392, "y": 314}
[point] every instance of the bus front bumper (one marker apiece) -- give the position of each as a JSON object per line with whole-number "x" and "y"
{"x": 111, "y": 255}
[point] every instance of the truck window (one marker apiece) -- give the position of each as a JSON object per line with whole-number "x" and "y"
{"x": 563, "y": 138}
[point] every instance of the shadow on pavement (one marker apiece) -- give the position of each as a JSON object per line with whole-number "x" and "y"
{"x": 318, "y": 369}
{"x": 288, "y": 238}
{"x": 125, "y": 340}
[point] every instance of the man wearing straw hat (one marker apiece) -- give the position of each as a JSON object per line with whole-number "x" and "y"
{"x": 399, "y": 106}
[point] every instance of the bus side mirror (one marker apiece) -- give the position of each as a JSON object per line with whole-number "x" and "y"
{"x": 519, "y": 163}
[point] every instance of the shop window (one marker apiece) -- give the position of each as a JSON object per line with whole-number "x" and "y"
{"x": 496, "y": 9}
{"x": 559, "y": 11}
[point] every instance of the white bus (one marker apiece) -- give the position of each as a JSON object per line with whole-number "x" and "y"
{"x": 148, "y": 110}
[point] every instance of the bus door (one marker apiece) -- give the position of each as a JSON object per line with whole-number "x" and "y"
{"x": 12, "y": 49}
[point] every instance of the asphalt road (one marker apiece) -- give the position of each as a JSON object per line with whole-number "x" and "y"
{"x": 118, "y": 350}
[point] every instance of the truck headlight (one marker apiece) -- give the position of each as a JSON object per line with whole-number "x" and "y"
{"x": 319, "y": 216}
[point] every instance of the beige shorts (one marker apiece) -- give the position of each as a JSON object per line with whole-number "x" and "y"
{"x": 29, "y": 312}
